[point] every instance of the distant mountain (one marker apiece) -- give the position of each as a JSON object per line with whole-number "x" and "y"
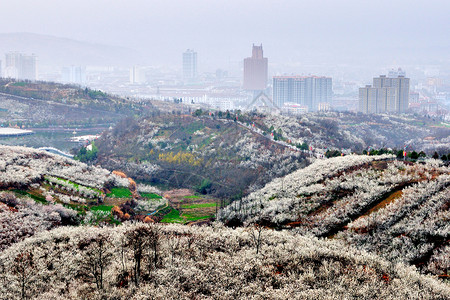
{"x": 56, "y": 51}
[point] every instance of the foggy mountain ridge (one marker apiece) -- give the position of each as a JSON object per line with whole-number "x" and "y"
{"x": 59, "y": 51}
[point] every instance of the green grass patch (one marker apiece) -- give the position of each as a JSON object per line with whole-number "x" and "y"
{"x": 173, "y": 217}
{"x": 119, "y": 193}
{"x": 151, "y": 196}
{"x": 106, "y": 208}
{"x": 193, "y": 127}
{"x": 192, "y": 197}
{"x": 37, "y": 198}
{"x": 206, "y": 142}
{"x": 80, "y": 208}
{"x": 74, "y": 184}
{"x": 19, "y": 83}
{"x": 162, "y": 212}
{"x": 99, "y": 216}
{"x": 190, "y": 217}
{"x": 199, "y": 205}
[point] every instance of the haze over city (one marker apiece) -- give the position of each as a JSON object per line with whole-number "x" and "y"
{"x": 295, "y": 34}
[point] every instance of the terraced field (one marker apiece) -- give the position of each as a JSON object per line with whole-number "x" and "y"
{"x": 187, "y": 207}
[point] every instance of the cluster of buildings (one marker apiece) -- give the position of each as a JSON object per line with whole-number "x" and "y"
{"x": 387, "y": 94}
{"x": 20, "y": 66}
{"x": 291, "y": 94}
{"x": 254, "y": 87}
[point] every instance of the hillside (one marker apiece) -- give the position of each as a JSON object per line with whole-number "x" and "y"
{"x": 238, "y": 152}
{"x": 358, "y": 131}
{"x": 341, "y": 130}
{"x": 40, "y": 191}
{"x": 68, "y": 223}
{"x": 218, "y": 156}
{"x": 47, "y": 103}
{"x": 181, "y": 262}
{"x": 394, "y": 208}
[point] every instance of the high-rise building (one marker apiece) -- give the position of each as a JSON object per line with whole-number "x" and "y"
{"x": 309, "y": 91}
{"x": 137, "y": 75}
{"x": 189, "y": 65}
{"x": 388, "y": 94}
{"x": 28, "y": 68}
{"x": 73, "y": 74}
{"x": 255, "y": 70}
{"x": 21, "y": 66}
{"x": 12, "y": 63}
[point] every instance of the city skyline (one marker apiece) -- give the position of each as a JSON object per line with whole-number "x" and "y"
{"x": 395, "y": 36}
{"x": 140, "y": 53}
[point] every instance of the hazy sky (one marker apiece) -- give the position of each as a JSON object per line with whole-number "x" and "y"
{"x": 224, "y": 30}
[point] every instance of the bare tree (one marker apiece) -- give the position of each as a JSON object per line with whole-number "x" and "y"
{"x": 153, "y": 246}
{"x": 23, "y": 267}
{"x": 136, "y": 241}
{"x": 96, "y": 258}
{"x": 173, "y": 241}
{"x": 139, "y": 239}
{"x": 256, "y": 234}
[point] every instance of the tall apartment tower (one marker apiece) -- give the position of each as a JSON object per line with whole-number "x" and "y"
{"x": 12, "y": 64}
{"x": 255, "y": 70}
{"x": 387, "y": 95}
{"x": 28, "y": 68}
{"x": 20, "y": 66}
{"x": 137, "y": 75}
{"x": 189, "y": 65}
{"x": 73, "y": 74}
{"x": 309, "y": 91}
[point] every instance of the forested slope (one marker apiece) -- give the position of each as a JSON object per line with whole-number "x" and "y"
{"x": 395, "y": 208}
{"x": 182, "y": 262}
{"x": 40, "y": 103}
{"x": 185, "y": 151}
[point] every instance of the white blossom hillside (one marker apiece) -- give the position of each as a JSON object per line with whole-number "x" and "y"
{"x": 186, "y": 262}
{"x": 23, "y": 217}
{"x": 53, "y": 180}
{"x": 357, "y": 131}
{"x": 394, "y": 208}
{"x": 21, "y": 166}
{"x": 282, "y": 200}
{"x": 414, "y": 228}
